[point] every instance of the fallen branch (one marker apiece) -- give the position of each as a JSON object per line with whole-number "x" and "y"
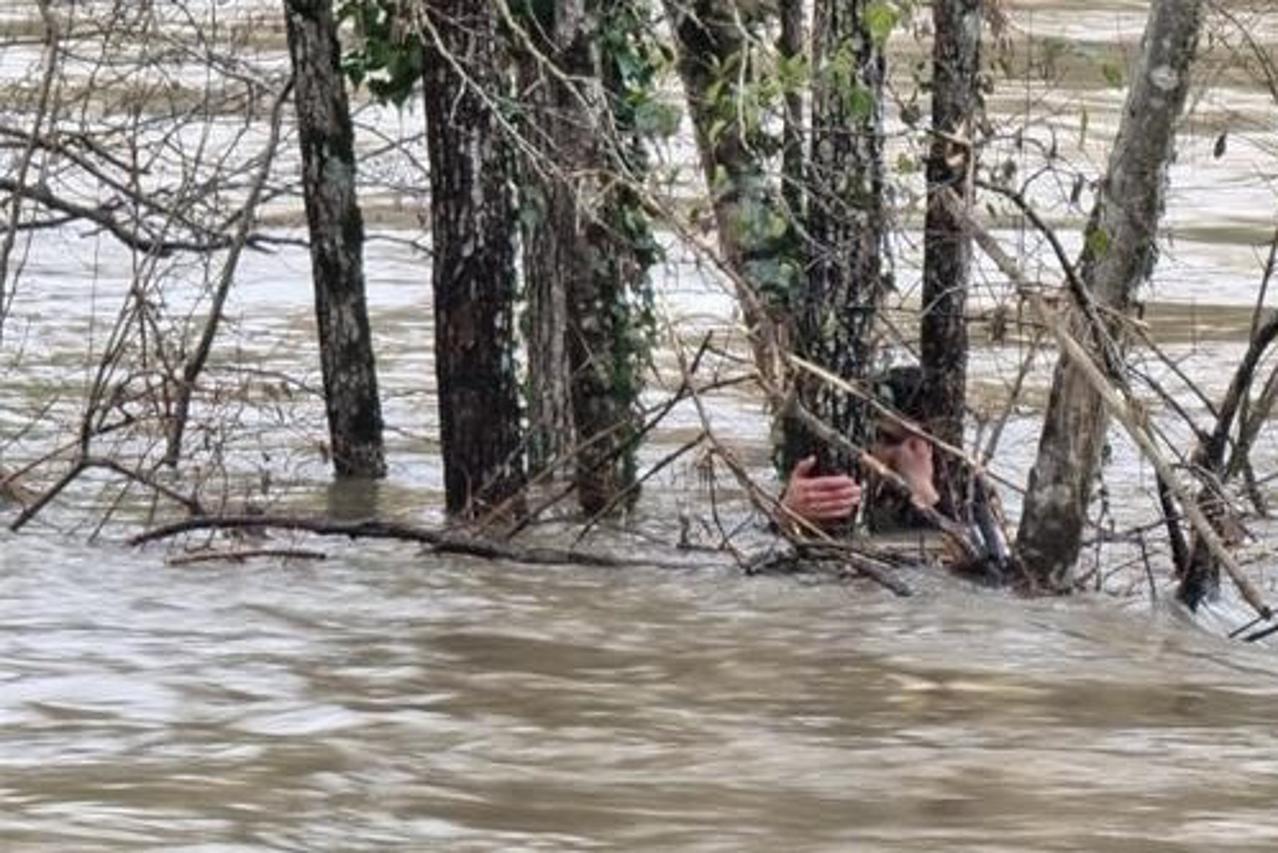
{"x": 240, "y": 556}
{"x": 438, "y": 540}
{"x": 851, "y": 562}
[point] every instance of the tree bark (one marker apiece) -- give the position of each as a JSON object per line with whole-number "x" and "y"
{"x": 545, "y": 323}
{"x": 1119, "y": 254}
{"x": 337, "y": 241}
{"x": 947, "y": 259}
{"x": 754, "y": 232}
{"x": 473, "y": 271}
{"x": 603, "y": 264}
{"x": 846, "y": 225}
{"x": 587, "y": 266}
{"x": 793, "y": 46}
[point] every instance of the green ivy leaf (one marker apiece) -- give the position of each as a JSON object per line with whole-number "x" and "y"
{"x": 880, "y": 19}
{"x": 1097, "y": 242}
{"x": 860, "y": 103}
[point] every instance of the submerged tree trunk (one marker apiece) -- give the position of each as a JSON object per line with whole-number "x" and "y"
{"x": 337, "y": 241}
{"x": 473, "y": 271}
{"x": 1119, "y": 254}
{"x": 947, "y": 258}
{"x": 846, "y": 226}
{"x": 755, "y": 235}
{"x": 1200, "y": 578}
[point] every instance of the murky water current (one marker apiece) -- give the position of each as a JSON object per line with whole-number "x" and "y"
{"x": 382, "y": 699}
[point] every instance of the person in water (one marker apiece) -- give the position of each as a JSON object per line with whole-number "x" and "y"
{"x": 978, "y": 528}
{"x": 824, "y": 498}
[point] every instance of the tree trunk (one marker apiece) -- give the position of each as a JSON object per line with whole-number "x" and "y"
{"x": 947, "y": 259}
{"x": 846, "y": 226}
{"x": 1119, "y": 254}
{"x": 337, "y": 241}
{"x": 545, "y": 323}
{"x": 473, "y": 273}
{"x": 586, "y": 266}
{"x": 755, "y": 235}
{"x": 1201, "y": 577}
{"x": 604, "y": 266}
{"x": 793, "y": 46}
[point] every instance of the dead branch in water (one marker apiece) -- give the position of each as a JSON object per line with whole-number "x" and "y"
{"x": 195, "y": 363}
{"x": 83, "y": 464}
{"x": 211, "y": 556}
{"x": 438, "y": 540}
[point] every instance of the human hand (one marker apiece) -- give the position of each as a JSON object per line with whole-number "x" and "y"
{"x": 819, "y": 498}
{"x": 912, "y": 459}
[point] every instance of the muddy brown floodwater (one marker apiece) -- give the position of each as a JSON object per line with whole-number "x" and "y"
{"x": 382, "y": 699}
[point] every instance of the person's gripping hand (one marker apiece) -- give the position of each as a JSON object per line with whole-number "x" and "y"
{"x": 820, "y": 498}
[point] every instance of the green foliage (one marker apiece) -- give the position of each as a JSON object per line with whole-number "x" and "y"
{"x": 387, "y": 57}
{"x": 881, "y": 18}
{"x": 632, "y": 61}
{"x": 842, "y": 76}
{"x": 1098, "y": 242}
{"x": 748, "y": 93}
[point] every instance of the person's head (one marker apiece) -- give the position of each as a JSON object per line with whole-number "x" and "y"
{"x": 899, "y": 389}
{"x": 894, "y": 443}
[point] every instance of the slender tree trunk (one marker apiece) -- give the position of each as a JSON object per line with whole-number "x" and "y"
{"x": 947, "y": 259}
{"x": 846, "y": 225}
{"x": 754, "y": 233}
{"x": 1201, "y": 577}
{"x": 337, "y": 241}
{"x": 602, "y": 267}
{"x": 473, "y": 274}
{"x": 549, "y": 400}
{"x": 583, "y": 268}
{"x": 1120, "y": 252}
{"x": 793, "y": 46}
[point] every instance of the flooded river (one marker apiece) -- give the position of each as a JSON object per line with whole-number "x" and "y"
{"x": 385, "y": 699}
{"x": 382, "y": 701}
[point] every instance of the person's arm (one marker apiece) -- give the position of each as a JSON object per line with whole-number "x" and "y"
{"x": 819, "y": 498}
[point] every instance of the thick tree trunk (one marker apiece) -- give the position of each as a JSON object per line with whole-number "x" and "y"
{"x": 947, "y": 259}
{"x": 846, "y": 226}
{"x": 755, "y": 234}
{"x": 337, "y": 241}
{"x": 1119, "y": 255}
{"x": 473, "y": 274}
